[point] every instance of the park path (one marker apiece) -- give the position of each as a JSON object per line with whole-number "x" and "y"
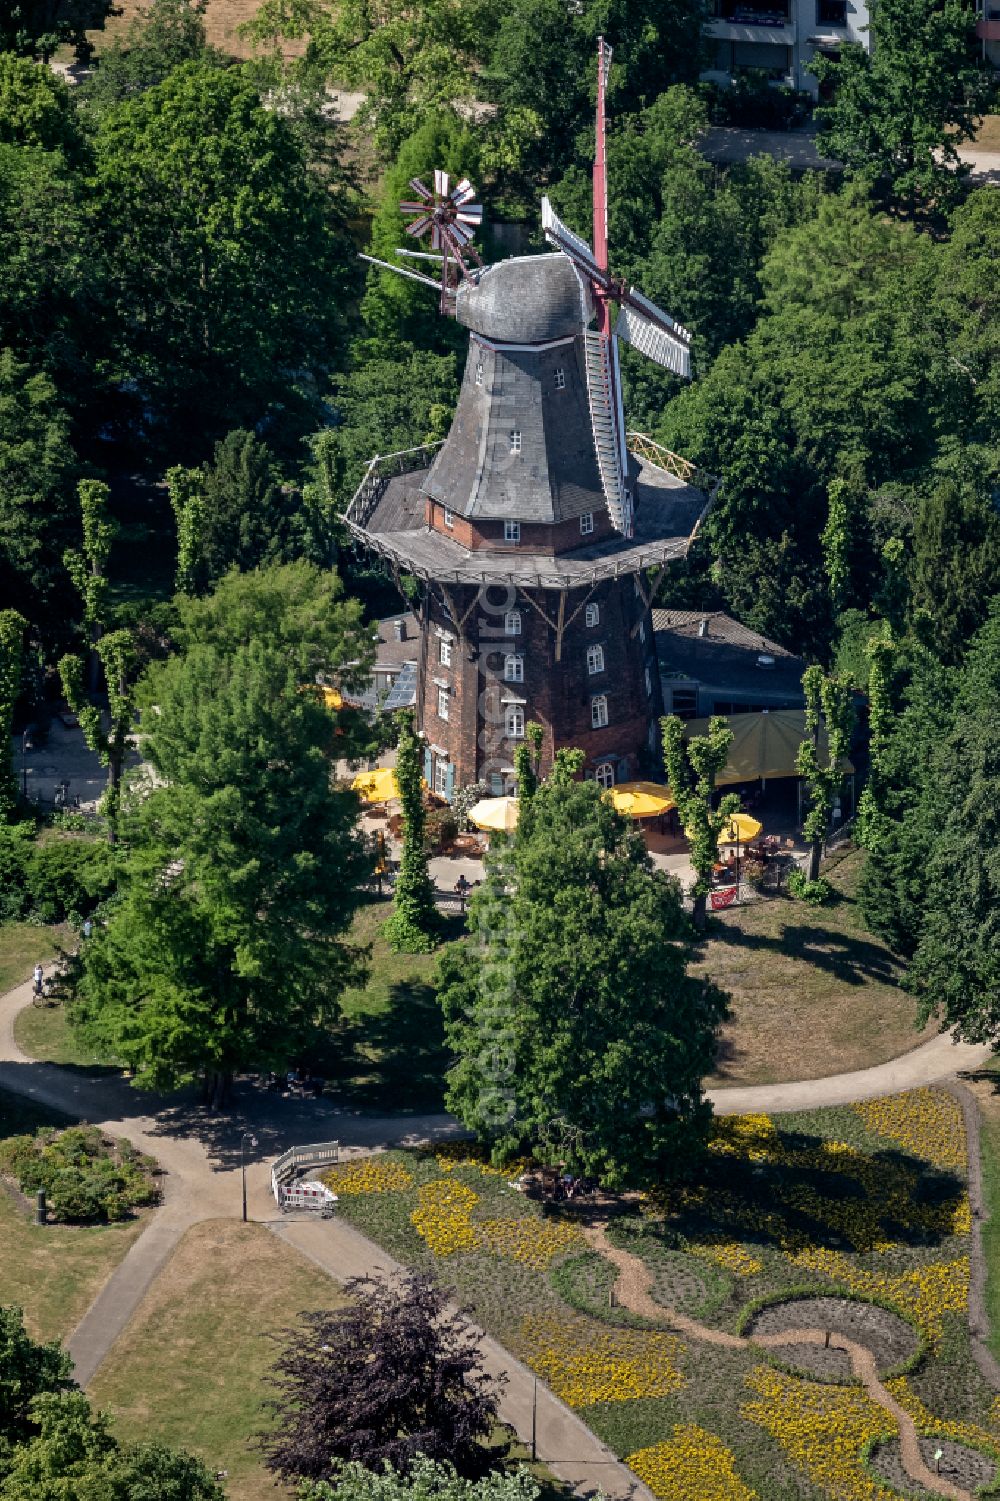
{"x": 632, "y": 1292}
{"x": 200, "y": 1156}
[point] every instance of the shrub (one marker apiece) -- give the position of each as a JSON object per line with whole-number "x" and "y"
{"x": 68, "y": 876}
{"x": 16, "y": 841}
{"x": 465, "y": 798}
{"x": 815, "y": 892}
{"x": 86, "y": 1176}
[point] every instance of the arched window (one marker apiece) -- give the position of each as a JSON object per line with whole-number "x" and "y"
{"x": 598, "y": 711}
{"x": 513, "y": 669}
{"x": 514, "y": 722}
{"x": 512, "y": 623}
{"x": 605, "y": 774}
{"x": 595, "y": 659}
{"x": 593, "y": 616}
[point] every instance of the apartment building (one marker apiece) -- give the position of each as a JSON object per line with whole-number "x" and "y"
{"x": 988, "y": 30}
{"x": 779, "y": 37}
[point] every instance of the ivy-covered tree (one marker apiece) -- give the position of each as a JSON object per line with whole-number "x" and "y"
{"x": 107, "y": 735}
{"x": 692, "y": 767}
{"x": 527, "y": 758}
{"x": 87, "y": 565}
{"x": 12, "y": 632}
{"x": 185, "y": 488}
{"x": 873, "y": 812}
{"x": 413, "y": 926}
{"x": 577, "y": 1031}
{"x": 829, "y": 707}
{"x": 393, "y": 1378}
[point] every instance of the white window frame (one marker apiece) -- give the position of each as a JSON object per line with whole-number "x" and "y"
{"x": 513, "y": 721}
{"x": 560, "y": 379}
{"x": 479, "y": 373}
{"x": 444, "y": 651}
{"x": 592, "y": 616}
{"x": 441, "y": 768}
{"x": 595, "y": 660}
{"x": 599, "y": 711}
{"x": 512, "y": 531}
{"x": 604, "y": 774}
{"x": 586, "y": 523}
{"x": 443, "y": 711}
{"x": 513, "y": 668}
{"x": 512, "y": 623}
{"x": 515, "y": 440}
{"x": 449, "y": 517}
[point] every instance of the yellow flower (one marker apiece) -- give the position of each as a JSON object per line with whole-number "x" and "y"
{"x": 751, "y": 1136}
{"x": 926, "y": 1293}
{"x": 443, "y": 1217}
{"x": 368, "y": 1175}
{"x": 693, "y": 1465}
{"x": 927, "y": 1122}
{"x": 927, "y": 1423}
{"x": 822, "y": 1428}
{"x": 729, "y": 1254}
{"x": 584, "y": 1363}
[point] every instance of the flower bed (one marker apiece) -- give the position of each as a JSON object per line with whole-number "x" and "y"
{"x": 964, "y": 1467}
{"x": 864, "y": 1202}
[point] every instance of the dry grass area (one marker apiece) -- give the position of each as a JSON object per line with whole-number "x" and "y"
{"x": 53, "y": 1272}
{"x": 223, "y": 18}
{"x": 189, "y": 1368}
{"x": 988, "y": 134}
{"x": 813, "y": 992}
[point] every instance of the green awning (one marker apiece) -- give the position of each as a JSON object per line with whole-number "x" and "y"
{"x": 764, "y": 745}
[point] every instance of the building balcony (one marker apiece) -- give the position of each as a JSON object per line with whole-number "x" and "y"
{"x": 766, "y": 34}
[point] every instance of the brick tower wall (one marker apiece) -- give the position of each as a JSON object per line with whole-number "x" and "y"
{"x": 474, "y": 738}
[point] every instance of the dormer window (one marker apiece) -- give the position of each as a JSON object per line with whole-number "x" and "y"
{"x": 512, "y": 531}
{"x": 449, "y": 517}
{"x": 560, "y": 379}
{"x": 515, "y": 441}
{"x": 587, "y": 523}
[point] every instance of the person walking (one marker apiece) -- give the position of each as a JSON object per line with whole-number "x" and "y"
{"x": 38, "y": 978}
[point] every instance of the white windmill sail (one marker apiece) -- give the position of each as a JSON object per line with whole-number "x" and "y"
{"x": 669, "y": 346}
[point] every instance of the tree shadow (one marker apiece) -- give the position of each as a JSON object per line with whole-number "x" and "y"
{"x": 852, "y": 961}
{"x": 393, "y": 1060}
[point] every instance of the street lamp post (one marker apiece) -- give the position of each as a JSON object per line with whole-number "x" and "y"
{"x": 246, "y": 1137}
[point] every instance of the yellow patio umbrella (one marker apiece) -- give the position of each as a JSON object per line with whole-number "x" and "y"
{"x": 498, "y": 814}
{"x": 741, "y": 829}
{"x": 641, "y": 799}
{"x": 378, "y": 786}
{"x": 332, "y": 697}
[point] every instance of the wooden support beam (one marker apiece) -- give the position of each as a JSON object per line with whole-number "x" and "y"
{"x": 560, "y": 624}
{"x": 552, "y": 625}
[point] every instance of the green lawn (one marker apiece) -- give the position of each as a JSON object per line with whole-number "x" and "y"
{"x": 388, "y": 1050}
{"x": 52, "y": 1272}
{"x": 21, "y": 947}
{"x": 44, "y": 1032}
{"x": 813, "y": 992}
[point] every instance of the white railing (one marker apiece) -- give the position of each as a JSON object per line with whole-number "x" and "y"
{"x": 315, "y": 1154}
{"x": 380, "y": 471}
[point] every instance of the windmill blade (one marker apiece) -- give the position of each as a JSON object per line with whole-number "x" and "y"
{"x": 608, "y": 423}
{"x": 420, "y": 190}
{"x": 398, "y": 270}
{"x": 462, "y": 192}
{"x": 654, "y": 333}
{"x": 419, "y": 226}
{"x": 471, "y": 214}
{"x": 571, "y": 244}
{"x": 441, "y": 180}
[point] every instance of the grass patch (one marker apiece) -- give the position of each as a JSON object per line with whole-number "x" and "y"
{"x": 52, "y": 1272}
{"x": 388, "y": 1050}
{"x": 990, "y": 1160}
{"x": 44, "y": 1032}
{"x": 189, "y": 1369}
{"x": 988, "y": 135}
{"x": 813, "y": 993}
{"x": 23, "y": 945}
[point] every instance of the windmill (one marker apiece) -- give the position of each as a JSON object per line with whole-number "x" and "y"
{"x": 452, "y": 219}
{"x": 640, "y": 323}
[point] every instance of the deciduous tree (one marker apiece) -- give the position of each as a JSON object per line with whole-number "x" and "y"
{"x": 28, "y": 1370}
{"x": 413, "y": 926}
{"x": 36, "y": 28}
{"x": 12, "y": 631}
{"x": 692, "y": 767}
{"x": 393, "y": 1378}
{"x": 426, "y": 1480}
{"x": 107, "y": 735}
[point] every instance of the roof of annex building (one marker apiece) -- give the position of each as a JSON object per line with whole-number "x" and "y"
{"x": 712, "y": 648}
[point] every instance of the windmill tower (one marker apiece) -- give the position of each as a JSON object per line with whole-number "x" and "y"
{"x": 537, "y": 533}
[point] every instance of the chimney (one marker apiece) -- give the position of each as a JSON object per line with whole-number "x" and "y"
{"x": 703, "y": 626}
{"x": 399, "y": 629}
